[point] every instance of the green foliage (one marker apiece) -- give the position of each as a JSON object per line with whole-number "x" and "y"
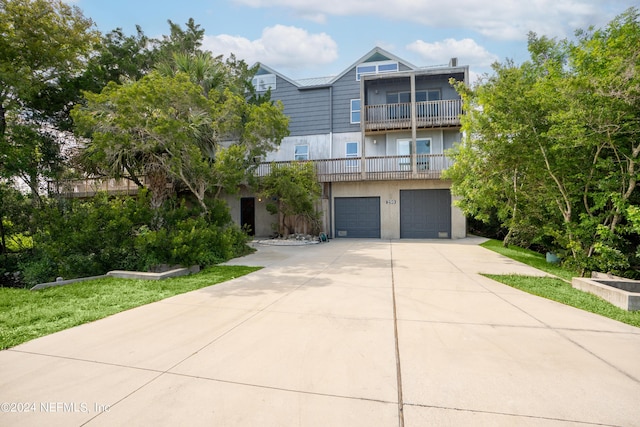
{"x": 88, "y": 238}
{"x": 295, "y": 191}
{"x": 44, "y": 43}
{"x": 529, "y": 257}
{"x": 552, "y": 147}
{"x": 25, "y": 315}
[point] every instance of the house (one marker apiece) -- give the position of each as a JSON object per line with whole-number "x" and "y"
{"x": 377, "y": 134}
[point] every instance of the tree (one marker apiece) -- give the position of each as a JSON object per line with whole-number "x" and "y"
{"x": 42, "y": 45}
{"x": 551, "y": 145}
{"x": 191, "y": 121}
{"x": 164, "y": 127}
{"x": 295, "y": 192}
{"x": 147, "y": 127}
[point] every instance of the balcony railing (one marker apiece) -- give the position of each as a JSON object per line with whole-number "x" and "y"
{"x": 379, "y": 168}
{"x": 398, "y": 116}
{"x": 88, "y": 187}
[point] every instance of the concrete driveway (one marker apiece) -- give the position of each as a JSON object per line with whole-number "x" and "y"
{"x": 346, "y": 333}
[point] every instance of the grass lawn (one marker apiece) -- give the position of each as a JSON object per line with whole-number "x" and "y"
{"x": 556, "y": 289}
{"x": 25, "y": 314}
{"x": 531, "y": 258}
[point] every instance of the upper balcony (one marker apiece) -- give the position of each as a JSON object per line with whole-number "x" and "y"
{"x": 398, "y": 116}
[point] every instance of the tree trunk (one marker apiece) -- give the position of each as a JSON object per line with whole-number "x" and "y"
{"x": 3, "y": 120}
{"x": 3, "y": 243}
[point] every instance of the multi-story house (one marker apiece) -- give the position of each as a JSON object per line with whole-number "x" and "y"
{"x": 377, "y": 134}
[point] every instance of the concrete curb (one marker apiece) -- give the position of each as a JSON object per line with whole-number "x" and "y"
{"x": 123, "y": 274}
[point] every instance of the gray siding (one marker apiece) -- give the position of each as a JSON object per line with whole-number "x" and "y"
{"x": 344, "y": 90}
{"x": 308, "y": 110}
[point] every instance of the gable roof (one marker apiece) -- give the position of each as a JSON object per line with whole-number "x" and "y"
{"x": 374, "y": 55}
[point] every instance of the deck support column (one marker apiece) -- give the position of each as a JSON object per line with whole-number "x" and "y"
{"x": 414, "y": 131}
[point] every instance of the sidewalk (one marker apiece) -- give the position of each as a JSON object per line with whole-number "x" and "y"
{"x": 346, "y": 333}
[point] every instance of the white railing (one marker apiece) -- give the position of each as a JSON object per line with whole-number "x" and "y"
{"x": 398, "y": 116}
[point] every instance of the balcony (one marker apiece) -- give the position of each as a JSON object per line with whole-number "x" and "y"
{"x": 429, "y": 114}
{"x": 89, "y": 187}
{"x": 382, "y": 168}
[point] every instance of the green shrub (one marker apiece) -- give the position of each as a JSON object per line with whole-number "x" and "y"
{"x": 79, "y": 238}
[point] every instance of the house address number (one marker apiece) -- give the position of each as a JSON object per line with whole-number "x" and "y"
{"x": 391, "y": 202}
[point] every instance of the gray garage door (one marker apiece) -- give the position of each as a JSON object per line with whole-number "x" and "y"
{"x": 425, "y": 214}
{"x": 357, "y": 216}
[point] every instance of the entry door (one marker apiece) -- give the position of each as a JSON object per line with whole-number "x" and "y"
{"x": 248, "y": 214}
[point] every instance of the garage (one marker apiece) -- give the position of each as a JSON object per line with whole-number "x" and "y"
{"x": 357, "y": 217}
{"x": 425, "y": 214}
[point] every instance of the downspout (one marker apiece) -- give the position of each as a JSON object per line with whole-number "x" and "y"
{"x": 363, "y": 161}
{"x": 331, "y": 122}
{"x": 330, "y": 156}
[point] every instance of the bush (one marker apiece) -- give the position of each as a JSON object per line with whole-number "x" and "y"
{"x": 87, "y": 238}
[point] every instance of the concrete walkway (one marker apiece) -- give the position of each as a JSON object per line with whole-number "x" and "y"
{"x": 346, "y": 333}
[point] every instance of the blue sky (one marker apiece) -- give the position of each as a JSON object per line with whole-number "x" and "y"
{"x": 303, "y": 38}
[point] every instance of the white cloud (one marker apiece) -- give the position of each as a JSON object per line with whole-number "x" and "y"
{"x": 467, "y": 51}
{"x": 501, "y": 20}
{"x": 279, "y": 47}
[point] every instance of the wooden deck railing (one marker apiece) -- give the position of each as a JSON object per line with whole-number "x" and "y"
{"x": 380, "y": 168}
{"x": 398, "y": 116}
{"x": 88, "y": 187}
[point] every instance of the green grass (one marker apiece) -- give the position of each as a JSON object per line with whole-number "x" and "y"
{"x": 25, "y": 314}
{"x": 531, "y": 258}
{"x": 561, "y": 291}
{"x": 556, "y": 289}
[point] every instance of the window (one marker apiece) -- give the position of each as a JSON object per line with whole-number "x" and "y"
{"x": 431, "y": 109}
{"x": 423, "y": 151}
{"x": 399, "y": 111}
{"x": 301, "y": 152}
{"x": 351, "y": 150}
{"x": 355, "y": 111}
{"x": 376, "y": 68}
{"x": 264, "y": 82}
{"x": 427, "y": 95}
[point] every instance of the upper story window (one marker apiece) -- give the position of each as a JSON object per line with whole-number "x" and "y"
{"x": 301, "y": 152}
{"x": 405, "y": 97}
{"x": 398, "y": 97}
{"x": 428, "y": 95}
{"x": 376, "y": 68}
{"x": 355, "y": 111}
{"x": 264, "y": 82}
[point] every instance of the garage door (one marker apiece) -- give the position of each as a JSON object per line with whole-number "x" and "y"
{"x": 425, "y": 214}
{"x": 357, "y": 216}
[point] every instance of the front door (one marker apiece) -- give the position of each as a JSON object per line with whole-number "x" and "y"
{"x": 248, "y": 214}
